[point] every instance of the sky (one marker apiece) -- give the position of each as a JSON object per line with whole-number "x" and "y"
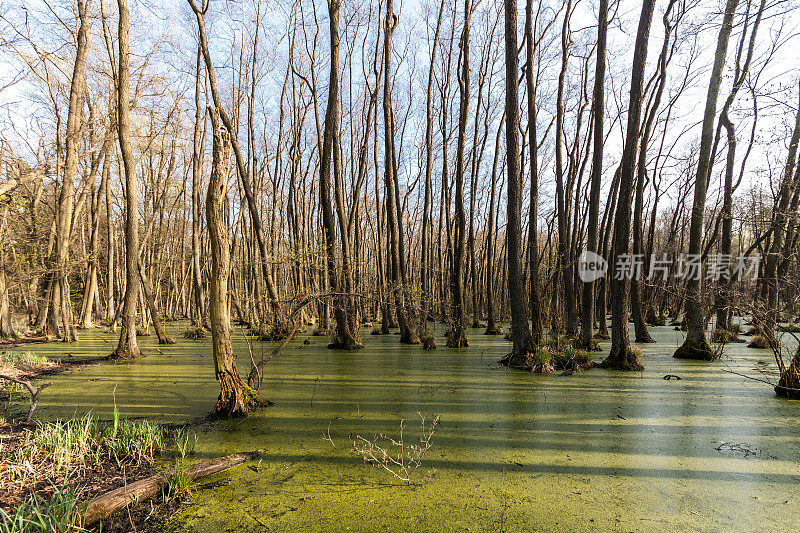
{"x": 164, "y": 38}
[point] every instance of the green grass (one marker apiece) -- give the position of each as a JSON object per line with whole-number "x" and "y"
{"x": 58, "y": 450}
{"x": 541, "y": 357}
{"x": 85, "y": 442}
{"x": 26, "y": 358}
{"x": 178, "y": 484}
{"x": 185, "y": 442}
{"x": 60, "y": 514}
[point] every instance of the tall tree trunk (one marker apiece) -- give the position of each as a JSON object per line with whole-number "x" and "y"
{"x": 6, "y": 326}
{"x": 520, "y": 333}
{"x": 780, "y": 218}
{"x": 622, "y": 357}
{"x": 425, "y": 271}
{"x": 110, "y": 251}
{"x": 344, "y": 336}
{"x": 533, "y": 214}
{"x": 637, "y": 289}
{"x": 598, "y": 110}
{"x": 456, "y": 337}
{"x": 128, "y": 347}
{"x": 408, "y": 333}
{"x": 247, "y": 183}
{"x": 564, "y": 266}
{"x": 235, "y": 397}
{"x": 60, "y": 306}
{"x": 198, "y": 313}
{"x": 93, "y": 264}
{"x": 696, "y": 346}
{"x": 491, "y": 327}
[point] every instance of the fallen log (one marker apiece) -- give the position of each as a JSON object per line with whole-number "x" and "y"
{"x": 109, "y": 503}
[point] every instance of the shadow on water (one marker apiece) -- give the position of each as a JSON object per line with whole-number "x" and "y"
{"x": 596, "y": 450}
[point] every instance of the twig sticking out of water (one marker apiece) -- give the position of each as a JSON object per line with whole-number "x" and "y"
{"x": 316, "y": 389}
{"x": 327, "y": 436}
{"x": 408, "y": 458}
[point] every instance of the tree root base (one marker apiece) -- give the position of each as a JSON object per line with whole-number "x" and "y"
{"x": 237, "y": 406}
{"x": 697, "y": 350}
{"x": 628, "y": 361}
{"x": 428, "y": 342}
{"x": 124, "y": 354}
{"x": 455, "y": 340}
{"x": 349, "y": 343}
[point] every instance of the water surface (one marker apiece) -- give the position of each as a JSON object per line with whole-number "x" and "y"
{"x": 599, "y": 450}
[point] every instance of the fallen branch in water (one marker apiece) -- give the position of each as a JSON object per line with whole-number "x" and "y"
{"x": 23, "y": 340}
{"x": 34, "y": 392}
{"x": 109, "y": 503}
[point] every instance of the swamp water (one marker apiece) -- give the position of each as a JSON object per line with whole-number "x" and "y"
{"x": 599, "y": 450}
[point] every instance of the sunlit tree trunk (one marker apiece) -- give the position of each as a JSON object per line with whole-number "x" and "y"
{"x": 598, "y": 109}
{"x": 344, "y": 335}
{"x": 622, "y": 357}
{"x": 235, "y": 397}
{"x": 520, "y": 333}
{"x": 408, "y": 333}
{"x": 696, "y": 346}
{"x": 456, "y": 337}
{"x": 128, "y": 346}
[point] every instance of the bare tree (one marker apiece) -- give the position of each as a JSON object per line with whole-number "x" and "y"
{"x": 622, "y": 357}
{"x": 696, "y": 346}
{"x": 520, "y": 332}
{"x": 235, "y": 397}
{"x": 598, "y": 109}
{"x": 128, "y": 346}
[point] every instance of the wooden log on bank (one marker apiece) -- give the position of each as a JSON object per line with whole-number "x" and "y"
{"x": 109, "y": 503}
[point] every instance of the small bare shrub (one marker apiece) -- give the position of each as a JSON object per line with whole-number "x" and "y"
{"x": 394, "y": 455}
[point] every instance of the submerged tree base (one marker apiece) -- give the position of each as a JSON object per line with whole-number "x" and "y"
{"x": 236, "y": 400}
{"x": 122, "y": 353}
{"x": 724, "y": 336}
{"x": 593, "y": 346}
{"x": 428, "y": 341}
{"x": 520, "y": 361}
{"x": 625, "y": 359}
{"x": 789, "y": 384}
{"x": 493, "y": 329}
{"x": 456, "y": 340}
{"x": 695, "y": 349}
{"x": 349, "y": 343}
{"x": 538, "y": 362}
{"x": 409, "y": 337}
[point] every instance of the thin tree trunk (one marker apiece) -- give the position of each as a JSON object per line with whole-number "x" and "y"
{"x": 128, "y": 347}
{"x": 408, "y": 333}
{"x": 598, "y": 110}
{"x": 344, "y": 335}
{"x": 520, "y": 333}
{"x": 235, "y": 397}
{"x": 696, "y": 346}
{"x": 456, "y": 337}
{"x": 622, "y": 357}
